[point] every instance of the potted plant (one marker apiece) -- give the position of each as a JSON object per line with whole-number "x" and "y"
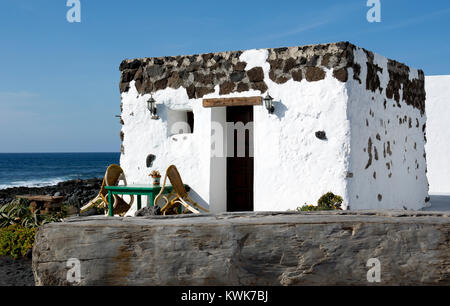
{"x": 156, "y": 177}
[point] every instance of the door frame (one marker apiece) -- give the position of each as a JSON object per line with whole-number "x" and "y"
{"x": 234, "y": 162}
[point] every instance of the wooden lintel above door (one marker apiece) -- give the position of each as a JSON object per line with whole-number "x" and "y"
{"x": 238, "y": 101}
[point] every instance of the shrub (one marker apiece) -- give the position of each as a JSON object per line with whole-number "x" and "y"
{"x": 16, "y": 240}
{"x": 328, "y": 201}
{"x": 18, "y": 226}
{"x": 307, "y": 207}
{"x": 18, "y": 212}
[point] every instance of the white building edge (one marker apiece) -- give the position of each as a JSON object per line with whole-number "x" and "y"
{"x": 438, "y": 133}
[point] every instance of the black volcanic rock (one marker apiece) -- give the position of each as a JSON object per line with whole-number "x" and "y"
{"x": 76, "y": 192}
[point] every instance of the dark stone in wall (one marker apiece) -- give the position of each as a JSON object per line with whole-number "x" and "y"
{"x": 276, "y": 64}
{"x": 241, "y": 87}
{"x": 201, "y": 91}
{"x": 326, "y": 60}
{"x": 147, "y": 87}
{"x": 138, "y": 85}
{"x": 314, "y": 74}
{"x": 413, "y": 91}
{"x": 154, "y": 71}
{"x": 191, "y": 91}
{"x": 139, "y": 74}
{"x": 124, "y": 86}
{"x": 174, "y": 81}
{"x": 226, "y": 88}
{"x": 297, "y": 75}
{"x": 161, "y": 84}
{"x": 261, "y": 86}
{"x": 341, "y": 74}
{"x": 237, "y": 76}
{"x": 203, "y": 78}
{"x": 128, "y": 75}
{"x": 321, "y": 135}
{"x": 278, "y": 79}
{"x": 356, "y": 72}
{"x": 369, "y": 151}
{"x": 372, "y": 78}
{"x": 255, "y": 74}
{"x": 312, "y": 62}
{"x": 289, "y": 65}
{"x": 133, "y": 64}
{"x": 240, "y": 66}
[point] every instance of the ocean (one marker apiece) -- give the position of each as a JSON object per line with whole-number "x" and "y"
{"x": 46, "y": 169}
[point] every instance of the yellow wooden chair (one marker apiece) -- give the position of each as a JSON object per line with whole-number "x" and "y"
{"x": 113, "y": 175}
{"x": 178, "y": 201}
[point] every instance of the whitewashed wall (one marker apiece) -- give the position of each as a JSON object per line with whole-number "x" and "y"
{"x": 144, "y": 136}
{"x": 396, "y": 176}
{"x": 438, "y": 133}
{"x": 292, "y": 166}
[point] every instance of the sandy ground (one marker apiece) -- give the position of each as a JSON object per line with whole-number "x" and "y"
{"x": 15, "y": 272}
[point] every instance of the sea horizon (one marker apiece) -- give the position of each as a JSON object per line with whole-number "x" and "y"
{"x": 41, "y": 169}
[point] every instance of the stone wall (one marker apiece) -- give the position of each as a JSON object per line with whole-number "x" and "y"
{"x": 199, "y": 73}
{"x": 323, "y": 248}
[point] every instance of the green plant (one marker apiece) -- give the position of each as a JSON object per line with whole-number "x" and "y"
{"x": 307, "y": 207}
{"x": 18, "y": 213}
{"x": 18, "y": 226}
{"x": 16, "y": 240}
{"x": 328, "y": 201}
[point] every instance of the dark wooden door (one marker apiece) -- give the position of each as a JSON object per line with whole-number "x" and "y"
{"x": 240, "y": 169}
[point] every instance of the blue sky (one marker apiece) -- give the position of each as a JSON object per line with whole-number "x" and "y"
{"x": 59, "y": 80}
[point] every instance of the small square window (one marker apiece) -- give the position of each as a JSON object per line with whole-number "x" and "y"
{"x": 180, "y": 122}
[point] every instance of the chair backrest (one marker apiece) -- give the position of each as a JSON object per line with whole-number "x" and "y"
{"x": 175, "y": 179}
{"x": 113, "y": 174}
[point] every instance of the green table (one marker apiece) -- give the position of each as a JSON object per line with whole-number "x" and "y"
{"x": 138, "y": 190}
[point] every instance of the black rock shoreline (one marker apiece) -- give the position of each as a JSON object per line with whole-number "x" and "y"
{"x": 76, "y": 192}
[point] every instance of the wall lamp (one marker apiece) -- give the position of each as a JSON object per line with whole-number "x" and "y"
{"x": 151, "y": 105}
{"x": 268, "y": 103}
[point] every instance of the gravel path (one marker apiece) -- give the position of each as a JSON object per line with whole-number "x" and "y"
{"x": 15, "y": 272}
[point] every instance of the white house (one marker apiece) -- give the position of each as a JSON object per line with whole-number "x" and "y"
{"x": 438, "y": 133}
{"x": 345, "y": 120}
